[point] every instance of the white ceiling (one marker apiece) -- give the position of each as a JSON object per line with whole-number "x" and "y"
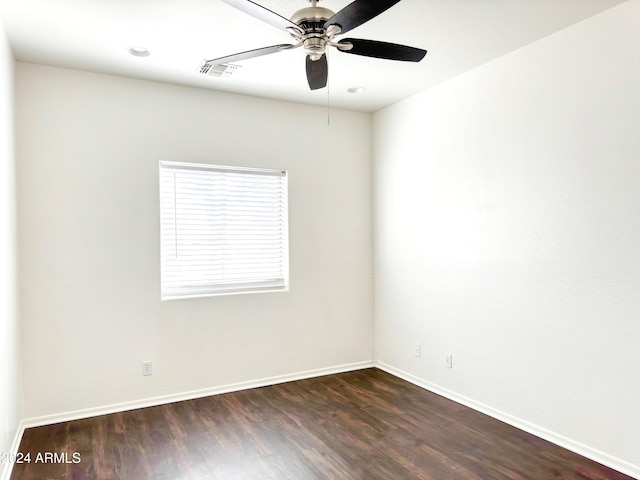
{"x": 459, "y": 35}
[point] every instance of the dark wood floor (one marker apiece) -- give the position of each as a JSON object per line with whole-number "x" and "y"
{"x": 360, "y": 425}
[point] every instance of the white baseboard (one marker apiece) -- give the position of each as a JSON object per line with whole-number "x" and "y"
{"x": 564, "y": 442}
{"x": 5, "y": 471}
{"x": 178, "y": 397}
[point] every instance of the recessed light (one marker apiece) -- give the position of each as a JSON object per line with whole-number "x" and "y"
{"x": 138, "y": 51}
{"x": 355, "y": 89}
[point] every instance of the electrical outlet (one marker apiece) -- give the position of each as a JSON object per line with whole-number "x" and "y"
{"x": 146, "y": 368}
{"x": 416, "y": 350}
{"x": 449, "y": 361}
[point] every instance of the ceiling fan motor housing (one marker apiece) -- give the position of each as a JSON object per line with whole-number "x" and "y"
{"x": 312, "y": 14}
{"x": 312, "y": 20}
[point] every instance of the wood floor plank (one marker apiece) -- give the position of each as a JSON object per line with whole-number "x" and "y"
{"x": 363, "y": 425}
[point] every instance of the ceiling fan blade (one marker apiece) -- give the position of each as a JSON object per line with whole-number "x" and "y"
{"x": 317, "y": 72}
{"x": 264, "y": 14}
{"x": 376, "y": 49}
{"x": 258, "y": 52}
{"x": 358, "y": 12}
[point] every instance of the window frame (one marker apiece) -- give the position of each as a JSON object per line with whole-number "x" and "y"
{"x": 279, "y": 284}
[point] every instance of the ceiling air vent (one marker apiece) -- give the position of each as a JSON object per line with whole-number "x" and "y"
{"x": 221, "y": 71}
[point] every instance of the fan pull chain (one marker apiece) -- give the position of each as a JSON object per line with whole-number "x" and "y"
{"x": 328, "y": 107}
{"x": 328, "y": 96}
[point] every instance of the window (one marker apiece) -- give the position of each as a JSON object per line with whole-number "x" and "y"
{"x": 223, "y": 230}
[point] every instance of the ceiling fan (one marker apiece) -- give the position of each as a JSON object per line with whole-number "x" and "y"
{"x": 315, "y": 28}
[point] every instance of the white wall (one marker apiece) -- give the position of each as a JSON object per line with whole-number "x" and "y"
{"x": 507, "y": 233}
{"x": 9, "y": 356}
{"x": 88, "y": 147}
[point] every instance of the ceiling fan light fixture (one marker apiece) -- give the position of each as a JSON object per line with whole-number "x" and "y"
{"x": 315, "y": 47}
{"x": 138, "y": 51}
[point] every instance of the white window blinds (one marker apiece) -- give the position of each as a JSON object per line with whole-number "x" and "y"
{"x": 223, "y": 230}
